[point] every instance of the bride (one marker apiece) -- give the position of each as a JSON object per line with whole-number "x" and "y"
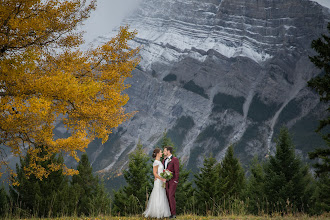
{"x": 158, "y": 206}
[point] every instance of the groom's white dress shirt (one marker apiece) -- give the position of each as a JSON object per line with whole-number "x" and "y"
{"x": 166, "y": 161}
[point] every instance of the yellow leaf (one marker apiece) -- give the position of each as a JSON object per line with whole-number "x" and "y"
{"x": 45, "y": 79}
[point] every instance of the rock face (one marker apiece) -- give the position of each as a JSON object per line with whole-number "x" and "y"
{"x": 219, "y": 72}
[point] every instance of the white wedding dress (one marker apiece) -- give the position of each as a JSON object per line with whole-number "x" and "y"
{"x": 158, "y": 206}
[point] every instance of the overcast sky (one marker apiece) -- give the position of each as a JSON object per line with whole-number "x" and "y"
{"x": 108, "y": 14}
{"x": 325, "y": 3}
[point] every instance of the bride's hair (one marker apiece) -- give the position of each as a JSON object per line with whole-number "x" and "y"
{"x": 156, "y": 151}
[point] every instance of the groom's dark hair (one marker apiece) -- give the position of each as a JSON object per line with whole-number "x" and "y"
{"x": 169, "y": 148}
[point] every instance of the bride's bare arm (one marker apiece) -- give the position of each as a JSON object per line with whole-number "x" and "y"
{"x": 155, "y": 171}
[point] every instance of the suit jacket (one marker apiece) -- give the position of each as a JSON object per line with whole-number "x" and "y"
{"x": 173, "y": 166}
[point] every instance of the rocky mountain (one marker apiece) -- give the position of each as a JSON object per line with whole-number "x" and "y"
{"x": 219, "y": 72}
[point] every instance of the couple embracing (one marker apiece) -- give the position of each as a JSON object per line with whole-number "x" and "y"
{"x": 161, "y": 203}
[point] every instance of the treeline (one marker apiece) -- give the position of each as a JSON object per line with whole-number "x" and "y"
{"x": 55, "y": 195}
{"x": 280, "y": 183}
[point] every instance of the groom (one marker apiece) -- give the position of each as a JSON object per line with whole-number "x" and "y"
{"x": 171, "y": 163}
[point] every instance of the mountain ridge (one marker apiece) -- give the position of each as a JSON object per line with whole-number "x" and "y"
{"x": 215, "y": 73}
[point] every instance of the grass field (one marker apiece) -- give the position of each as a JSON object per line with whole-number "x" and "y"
{"x": 194, "y": 217}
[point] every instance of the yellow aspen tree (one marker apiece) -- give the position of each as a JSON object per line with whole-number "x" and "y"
{"x": 46, "y": 79}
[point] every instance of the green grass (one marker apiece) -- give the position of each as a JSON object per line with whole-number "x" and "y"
{"x": 195, "y": 217}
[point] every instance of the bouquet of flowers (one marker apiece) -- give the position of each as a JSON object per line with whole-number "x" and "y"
{"x": 166, "y": 174}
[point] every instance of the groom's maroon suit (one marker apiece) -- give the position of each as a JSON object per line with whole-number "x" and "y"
{"x": 171, "y": 185}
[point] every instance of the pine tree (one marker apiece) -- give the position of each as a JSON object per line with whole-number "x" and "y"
{"x": 320, "y": 199}
{"x": 231, "y": 183}
{"x": 101, "y": 200}
{"x": 232, "y": 178}
{"x": 184, "y": 192}
{"x": 166, "y": 141}
{"x": 131, "y": 199}
{"x": 321, "y": 84}
{"x": 88, "y": 187}
{"x": 120, "y": 203}
{"x": 206, "y": 187}
{"x": 4, "y": 202}
{"x": 137, "y": 176}
{"x": 69, "y": 200}
{"x": 288, "y": 183}
{"x": 255, "y": 192}
{"x": 39, "y": 197}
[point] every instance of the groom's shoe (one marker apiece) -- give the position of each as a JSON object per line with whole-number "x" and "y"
{"x": 173, "y": 216}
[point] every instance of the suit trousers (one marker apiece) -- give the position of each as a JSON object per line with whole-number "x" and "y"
{"x": 170, "y": 192}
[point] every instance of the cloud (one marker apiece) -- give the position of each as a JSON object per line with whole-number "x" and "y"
{"x": 108, "y": 14}
{"x": 325, "y": 3}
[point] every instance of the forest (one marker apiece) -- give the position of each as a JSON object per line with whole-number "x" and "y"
{"x": 45, "y": 78}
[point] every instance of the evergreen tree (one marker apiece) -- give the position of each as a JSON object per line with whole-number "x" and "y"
{"x": 101, "y": 200}
{"x": 69, "y": 202}
{"x": 321, "y": 198}
{"x": 131, "y": 199}
{"x": 231, "y": 176}
{"x": 321, "y": 84}
{"x": 323, "y": 154}
{"x": 137, "y": 176}
{"x": 231, "y": 183}
{"x": 4, "y": 202}
{"x": 184, "y": 192}
{"x": 206, "y": 187}
{"x": 288, "y": 183}
{"x": 85, "y": 183}
{"x": 166, "y": 141}
{"x": 120, "y": 204}
{"x": 39, "y": 197}
{"x": 255, "y": 192}
{"x": 91, "y": 197}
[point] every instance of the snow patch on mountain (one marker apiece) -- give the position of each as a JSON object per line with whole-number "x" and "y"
{"x": 171, "y": 45}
